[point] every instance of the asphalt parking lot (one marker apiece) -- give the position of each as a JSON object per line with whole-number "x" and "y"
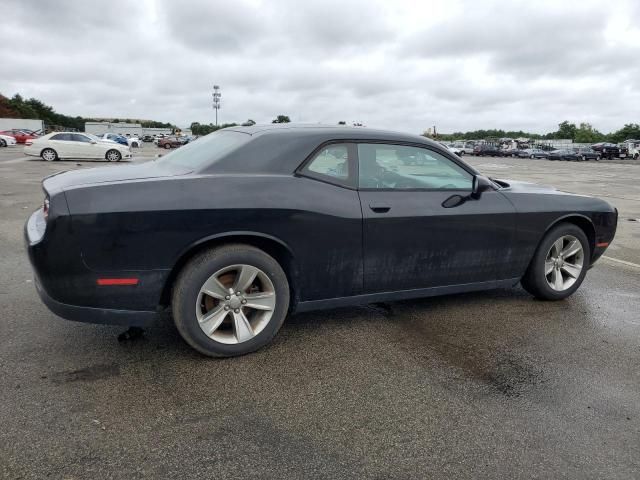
{"x": 480, "y": 385}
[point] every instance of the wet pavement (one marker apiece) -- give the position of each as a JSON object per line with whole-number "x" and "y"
{"x": 480, "y": 385}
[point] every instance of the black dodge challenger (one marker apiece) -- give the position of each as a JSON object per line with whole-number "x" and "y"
{"x": 239, "y": 228}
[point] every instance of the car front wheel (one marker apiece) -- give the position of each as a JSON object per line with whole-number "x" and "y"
{"x": 559, "y": 265}
{"x": 49, "y": 154}
{"x": 230, "y": 300}
{"x": 113, "y": 156}
{"x": 3, "y": 142}
{"x": 167, "y": 146}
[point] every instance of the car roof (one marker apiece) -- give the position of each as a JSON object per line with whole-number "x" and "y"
{"x": 338, "y": 131}
{"x": 281, "y": 148}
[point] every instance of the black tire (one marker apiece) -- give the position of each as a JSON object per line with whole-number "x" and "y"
{"x": 534, "y": 280}
{"x": 198, "y": 270}
{"x": 532, "y": 156}
{"x": 50, "y": 154}
{"x": 167, "y": 146}
{"x": 3, "y": 142}
{"x": 113, "y": 156}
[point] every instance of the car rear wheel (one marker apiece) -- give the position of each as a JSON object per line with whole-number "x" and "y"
{"x": 113, "y": 156}
{"x": 49, "y": 154}
{"x": 167, "y": 146}
{"x": 559, "y": 265}
{"x": 230, "y": 300}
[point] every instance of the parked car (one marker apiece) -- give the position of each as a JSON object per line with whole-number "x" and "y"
{"x": 587, "y": 153}
{"x": 115, "y": 137}
{"x": 516, "y": 153}
{"x": 60, "y": 145}
{"x": 7, "y": 140}
{"x": 169, "y": 142}
{"x": 455, "y": 150}
{"x": 630, "y": 149}
{"x": 20, "y": 135}
{"x": 537, "y": 153}
{"x": 486, "y": 149}
{"x": 563, "y": 154}
{"x": 247, "y": 224}
{"x": 607, "y": 150}
{"x": 134, "y": 141}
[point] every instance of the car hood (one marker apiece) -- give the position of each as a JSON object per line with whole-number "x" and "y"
{"x": 69, "y": 179}
{"x": 526, "y": 187}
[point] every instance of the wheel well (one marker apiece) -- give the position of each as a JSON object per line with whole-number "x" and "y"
{"x": 585, "y": 225}
{"x": 278, "y": 251}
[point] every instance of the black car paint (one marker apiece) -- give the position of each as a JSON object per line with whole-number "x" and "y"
{"x": 145, "y": 220}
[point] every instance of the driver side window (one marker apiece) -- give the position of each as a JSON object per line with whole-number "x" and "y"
{"x": 401, "y": 167}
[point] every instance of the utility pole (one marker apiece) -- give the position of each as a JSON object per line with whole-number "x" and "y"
{"x": 216, "y": 100}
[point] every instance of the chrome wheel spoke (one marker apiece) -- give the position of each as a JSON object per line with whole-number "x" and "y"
{"x": 242, "y": 327}
{"x": 214, "y": 288}
{"x": 571, "y": 249}
{"x": 557, "y": 246}
{"x": 548, "y": 266}
{"x": 557, "y": 279}
{"x": 572, "y": 270}
{"x": 246, "y": 275}
{"x": 213, "y": 319}
{"x": 261, "y": 301}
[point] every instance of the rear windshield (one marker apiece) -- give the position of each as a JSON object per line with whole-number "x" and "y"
{"x": 204, "y": 151}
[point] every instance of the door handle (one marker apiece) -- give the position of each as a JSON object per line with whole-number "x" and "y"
{"x": 379, "y": 208}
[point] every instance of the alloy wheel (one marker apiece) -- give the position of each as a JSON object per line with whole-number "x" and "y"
{"x": 235, "y": 304}
{"x": 113, "y": 156}
{"x": 49, "y": 155}
{"x": 564, "y": 263}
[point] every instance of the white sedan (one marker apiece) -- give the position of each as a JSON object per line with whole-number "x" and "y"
{"x": 455, "y": 150}
{"x": 57, "y": 145}
{"x": 6, "y": 140}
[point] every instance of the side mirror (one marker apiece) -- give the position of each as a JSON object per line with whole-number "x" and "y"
{"x": 93, "y": 142}
{"x": 480, "y": 184}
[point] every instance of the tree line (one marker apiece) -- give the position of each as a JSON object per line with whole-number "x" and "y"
{"x": 32, "y": 108}
{"x": 581, "y": 133}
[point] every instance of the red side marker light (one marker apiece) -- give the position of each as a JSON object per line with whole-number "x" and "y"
{"x": 602, "y": 244}
{"x": 117, "y": 281}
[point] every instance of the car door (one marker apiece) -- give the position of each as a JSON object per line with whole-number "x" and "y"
{"x": 410, "y": 240}
{"x": 329, "y": 217}
{"x": 62, "y": 144}
{"x": 82, "y": 146}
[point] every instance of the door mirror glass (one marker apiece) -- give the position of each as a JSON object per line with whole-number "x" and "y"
{"x": 480, "y": 184}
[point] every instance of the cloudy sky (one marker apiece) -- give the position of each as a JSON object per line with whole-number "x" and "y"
{"x": 404, "y": 65}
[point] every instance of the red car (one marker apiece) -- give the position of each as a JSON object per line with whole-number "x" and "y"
{"x": 19, "y": 135}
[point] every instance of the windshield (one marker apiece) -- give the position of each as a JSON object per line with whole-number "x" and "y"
{"x": 205, "y": 151}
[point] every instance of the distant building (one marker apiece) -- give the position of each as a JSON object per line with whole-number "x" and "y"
{"x": 100, "y": 128}
{"x": 20, "y": 123}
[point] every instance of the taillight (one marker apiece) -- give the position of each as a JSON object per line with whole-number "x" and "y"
{"x": 45, "y": 208}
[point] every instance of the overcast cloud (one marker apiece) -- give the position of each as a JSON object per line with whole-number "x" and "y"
{"x": 402, "y": 65}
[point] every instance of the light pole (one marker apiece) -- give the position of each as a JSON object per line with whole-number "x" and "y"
{"x": 216, "y": 100}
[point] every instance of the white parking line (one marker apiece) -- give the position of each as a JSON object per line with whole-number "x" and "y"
{"x": 624, "y": 262}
